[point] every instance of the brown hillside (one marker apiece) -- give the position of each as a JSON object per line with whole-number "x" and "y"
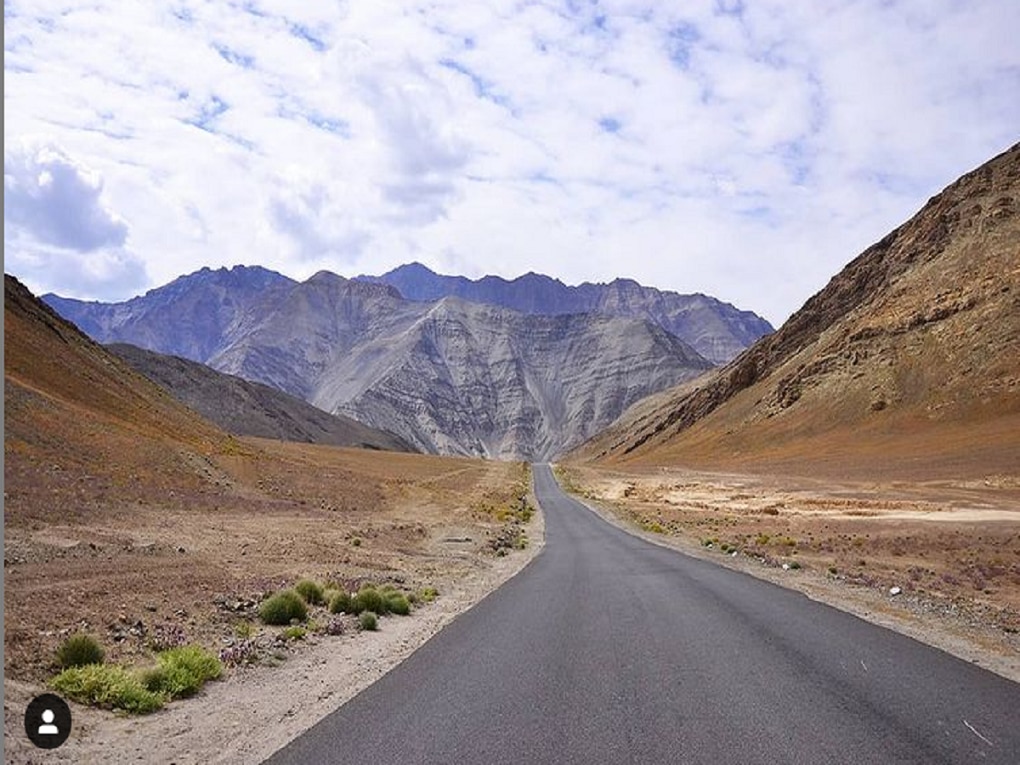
{"x": 907, "y": 362}
{"x": 68, "y": 400}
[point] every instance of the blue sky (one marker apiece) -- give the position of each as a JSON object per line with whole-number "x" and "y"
{"x": 743, "y": 149}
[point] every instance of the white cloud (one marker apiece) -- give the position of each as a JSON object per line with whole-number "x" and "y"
{"x": 744, "y": 149}
{"x": 57, "y": 200}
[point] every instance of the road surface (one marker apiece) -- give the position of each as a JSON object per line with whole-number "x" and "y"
{"x": 609, "y": 649}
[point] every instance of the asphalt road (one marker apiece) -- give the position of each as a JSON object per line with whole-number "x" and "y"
{"x": 608, "y": 649}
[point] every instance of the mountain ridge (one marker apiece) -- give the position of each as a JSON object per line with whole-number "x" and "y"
{"x": 360, "y": 349}
{"x": 717, "y": 330}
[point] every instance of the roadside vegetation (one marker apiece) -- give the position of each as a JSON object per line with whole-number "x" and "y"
{"x": 512, "y": 508}
{"x": 178, "y": 672}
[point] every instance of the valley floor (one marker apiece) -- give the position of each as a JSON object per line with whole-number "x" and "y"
{"x": 950, "y": 549}
{"x": 124, "y": 558}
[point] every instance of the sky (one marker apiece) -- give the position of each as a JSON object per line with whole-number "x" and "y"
{"x": 743, "y": 149}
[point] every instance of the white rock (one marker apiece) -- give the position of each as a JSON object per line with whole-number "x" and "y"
{"x": 895, "y": 590}
{"x": 786, "y": 567}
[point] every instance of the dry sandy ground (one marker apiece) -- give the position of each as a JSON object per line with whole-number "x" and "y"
{"x": 120, "y": 556}
{"x": 257, "y": 710}
{"x": 952, "y": 548}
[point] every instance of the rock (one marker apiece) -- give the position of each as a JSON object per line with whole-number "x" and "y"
{"x": 895, "y": 591}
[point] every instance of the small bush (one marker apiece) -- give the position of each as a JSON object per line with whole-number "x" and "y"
{"x": 108, "y": 686}
{"x": 370, "y": 599}
{"x": 335, "y": 626}
{"x": 428, "y": 594}
{"x": 340, "y": 603}
{"x": 282, "y": 607}
{"x": 80, "y": 650}
{"x": 182, "y": 671}
{"x": 368, "y": 621}
{"x": 310, "y": 591}
{"x": 244, "y": 630}
{"x": 244, "y": 652}
{"x": 794, "y": 565}
{"x": 295, "y": 633}
{"x": 166, "y": 636}
{"x": 356, "y": 542}
{"x": 397, "y": 603}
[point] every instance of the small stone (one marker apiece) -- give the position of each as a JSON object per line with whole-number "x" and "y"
{"x": 786, "y": 567}
{"x": 895, "y": 590}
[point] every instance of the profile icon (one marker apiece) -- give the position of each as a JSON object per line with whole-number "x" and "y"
{"x": 48, "y": 728}
{"x": 48, "y": 721}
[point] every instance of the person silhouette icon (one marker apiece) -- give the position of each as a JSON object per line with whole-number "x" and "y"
{"x": 48, "y": 728}
{"x": 48, "y": 721}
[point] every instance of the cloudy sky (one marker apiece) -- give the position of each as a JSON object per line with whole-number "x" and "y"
{"x": 739, "y": 148}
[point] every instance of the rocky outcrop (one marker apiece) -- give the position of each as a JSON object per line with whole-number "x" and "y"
{"x": 717, "y": 330}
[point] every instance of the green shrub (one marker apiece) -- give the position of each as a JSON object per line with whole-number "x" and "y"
{"x": 295, "y": 633}
{"x": 244, "y": 630}
{"x": 109, "y": 686}
{"x": 341, "y": 603}
{"x": 182, "y": 671}
{"x": 79, "y": 650}
{"x": 310, "y": 591}
{"x": 368, "y": 621}
{"x": 282, "y": 607}
{"x": 370, "y": 599}
{"x": 397, "y": 603}
{"x": 428, "y": 594}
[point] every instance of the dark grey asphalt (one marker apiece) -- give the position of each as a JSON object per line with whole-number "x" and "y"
{"x": 608, "y": 649}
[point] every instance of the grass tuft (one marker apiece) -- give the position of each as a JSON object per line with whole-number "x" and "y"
{"x": 282, "y": 607}
{"x": 310, "y": 591}
{"x": 368, "y": 621}
{"x": 108, "y": 686}
{"x": 80, "y": 650}
{"x": 341, "y": 603}
{"x": 182, "y": 671}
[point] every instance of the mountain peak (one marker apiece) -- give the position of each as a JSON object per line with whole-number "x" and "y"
{"x": 717, "y": 330}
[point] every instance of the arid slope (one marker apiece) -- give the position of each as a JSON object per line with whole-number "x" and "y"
{"x": 126, "y": 513}
{"x": 906, "y": 364}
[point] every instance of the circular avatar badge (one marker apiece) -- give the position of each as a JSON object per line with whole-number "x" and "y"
{"x": 48, "y": 721}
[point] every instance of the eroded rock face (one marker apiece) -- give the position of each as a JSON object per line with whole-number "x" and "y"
{"x": 717, "y": 330}
{"x": 451, "y": 377}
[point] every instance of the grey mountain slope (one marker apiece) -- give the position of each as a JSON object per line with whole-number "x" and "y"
{"x": 451, "y": 377}
{"x": 251, "y": 409}
{"x": 193, "y": 316}
{"x": 717, "y": 330}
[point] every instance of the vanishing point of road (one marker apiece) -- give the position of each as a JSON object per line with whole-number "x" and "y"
{"x": 609, "y": 649}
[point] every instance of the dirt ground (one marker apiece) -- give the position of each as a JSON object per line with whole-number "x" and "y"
{"x": 950, "y": 549}
{"x": 123, "y": 558}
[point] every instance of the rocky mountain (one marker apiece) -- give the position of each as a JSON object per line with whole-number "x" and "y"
{"x": 717, "y": 330}
{"x": 193, "y": 316}
{"x": 251, "y": 409}
{"x": 909, "y": 356}
{"x": 450, "y": 377}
